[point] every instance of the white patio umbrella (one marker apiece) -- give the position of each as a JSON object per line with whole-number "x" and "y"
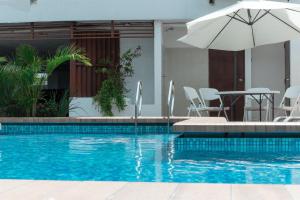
{"x": 245, "y": 25}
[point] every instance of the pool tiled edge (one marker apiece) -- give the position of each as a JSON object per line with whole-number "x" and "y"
{"x": 89, "y": 119}
{"x": 77, "y": 128}
{"x": 90, "y": 125}
{"x": 253, "y": 145}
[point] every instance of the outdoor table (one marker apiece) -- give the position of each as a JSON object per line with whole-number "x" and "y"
{"x": 257, "y": 96}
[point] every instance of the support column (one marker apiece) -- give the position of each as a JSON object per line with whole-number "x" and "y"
{"x": 158, "y": 43}
{"x": 294, "y": 59}
{"x": 248, "y": 69}
{"x": 295, "y": 62}
{"x": 248, "y": 72}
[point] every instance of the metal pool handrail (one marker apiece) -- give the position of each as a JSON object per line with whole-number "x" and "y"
{"x": 138, "y": 102}
{"x": 171, "y": 100}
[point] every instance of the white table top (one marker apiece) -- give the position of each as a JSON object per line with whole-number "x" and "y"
{"x": 245, "y": 93}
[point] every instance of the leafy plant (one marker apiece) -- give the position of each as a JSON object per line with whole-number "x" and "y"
{"x": 20, "y": 80}
{"x": 56, "y": 106}
{"x": 113, "y": 90}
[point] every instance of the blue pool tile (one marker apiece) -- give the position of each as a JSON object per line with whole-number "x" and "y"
{"x": 81, "y": 128}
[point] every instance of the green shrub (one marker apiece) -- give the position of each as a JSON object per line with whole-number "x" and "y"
{"x": 113, "y": 90}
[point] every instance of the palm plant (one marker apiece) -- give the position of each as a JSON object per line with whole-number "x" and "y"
{"x": 19, "y": 77}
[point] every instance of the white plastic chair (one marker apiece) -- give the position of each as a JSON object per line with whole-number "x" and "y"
{"x": 250, "y": 99}
{"x": 195, "y": 103}
{"x": 291, "y": 93}
{"x": 209, "y": 94}
{"x": 294, "y": 113}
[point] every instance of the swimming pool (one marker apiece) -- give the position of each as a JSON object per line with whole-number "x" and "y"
{"x": 149, "y": 157}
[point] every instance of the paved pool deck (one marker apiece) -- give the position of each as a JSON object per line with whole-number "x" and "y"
{"x": 73, "y": 190}
{"x": 220, "y": 125}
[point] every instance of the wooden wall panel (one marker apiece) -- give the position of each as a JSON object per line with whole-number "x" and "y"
{"x": 84, "y": 81}
{"x": 224, "y": 77}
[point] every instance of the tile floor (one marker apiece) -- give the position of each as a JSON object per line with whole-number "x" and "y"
{"x": 73, "y": 190}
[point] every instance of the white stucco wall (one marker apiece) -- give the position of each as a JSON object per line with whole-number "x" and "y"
{"x": 143, "y": 67}
{"x": 295, "y": 62}
{"x": 295, "y": 58}
{"x": 78, "y": 10}
{"x": 186, "y": 67}
{"x": 268, "y": 70}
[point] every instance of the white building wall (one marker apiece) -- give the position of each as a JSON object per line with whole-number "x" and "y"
{"x": 143, "y": 68}
{"x": 79, "y": 10}
{"x": 295, "y": 62}
{"x": 268, "y": 70}
{"x": 295, "y": 58}
{"x": 186, "y": 67}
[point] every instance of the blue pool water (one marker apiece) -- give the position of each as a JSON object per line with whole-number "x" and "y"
{"x": 149, "y": 157}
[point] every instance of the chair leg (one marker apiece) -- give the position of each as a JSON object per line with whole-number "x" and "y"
{"x": 189, "y": 112}
{"x": 247, "y": 116}
{"x": 199, "y": 114}
{"x": 219, "y": 113}
{"x": 226, "y": 116}
{"x": 268, "y": 115}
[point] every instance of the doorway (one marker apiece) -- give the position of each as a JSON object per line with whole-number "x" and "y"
{"x": 227, "y": 73}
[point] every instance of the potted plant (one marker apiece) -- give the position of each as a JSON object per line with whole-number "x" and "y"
{"x": 113, "y": 90}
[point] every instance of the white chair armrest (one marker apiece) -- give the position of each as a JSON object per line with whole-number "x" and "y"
{"x": 280, "y": 119}
{"x": 290, "y": 119}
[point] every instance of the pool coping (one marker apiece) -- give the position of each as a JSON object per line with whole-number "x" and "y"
{"x": 53, "y": 190}
{"x": 181, "y": 124}
{"x": 89, "y": 119}
{"x": 197, "y": 125}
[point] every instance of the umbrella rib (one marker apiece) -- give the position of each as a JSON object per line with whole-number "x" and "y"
{"x": 292, "y": 10}
{"x": 240, "y": 16}
{"x": 231, "y": 18}
{"x": 284, "y": 22}
{"x": 256, "y": 15}
{"x": 237, "y": 19}
{"x": 266, "y": 12}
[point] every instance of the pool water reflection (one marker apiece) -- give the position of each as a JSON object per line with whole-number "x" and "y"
{"x": 153, "y": 158}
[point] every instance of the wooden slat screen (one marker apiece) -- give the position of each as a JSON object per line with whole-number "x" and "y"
{"x": 76, "y": 30}
{"x": 84, "y": 81}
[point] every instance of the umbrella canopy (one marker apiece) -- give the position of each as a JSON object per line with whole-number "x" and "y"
{"x": 245, "y": 25}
